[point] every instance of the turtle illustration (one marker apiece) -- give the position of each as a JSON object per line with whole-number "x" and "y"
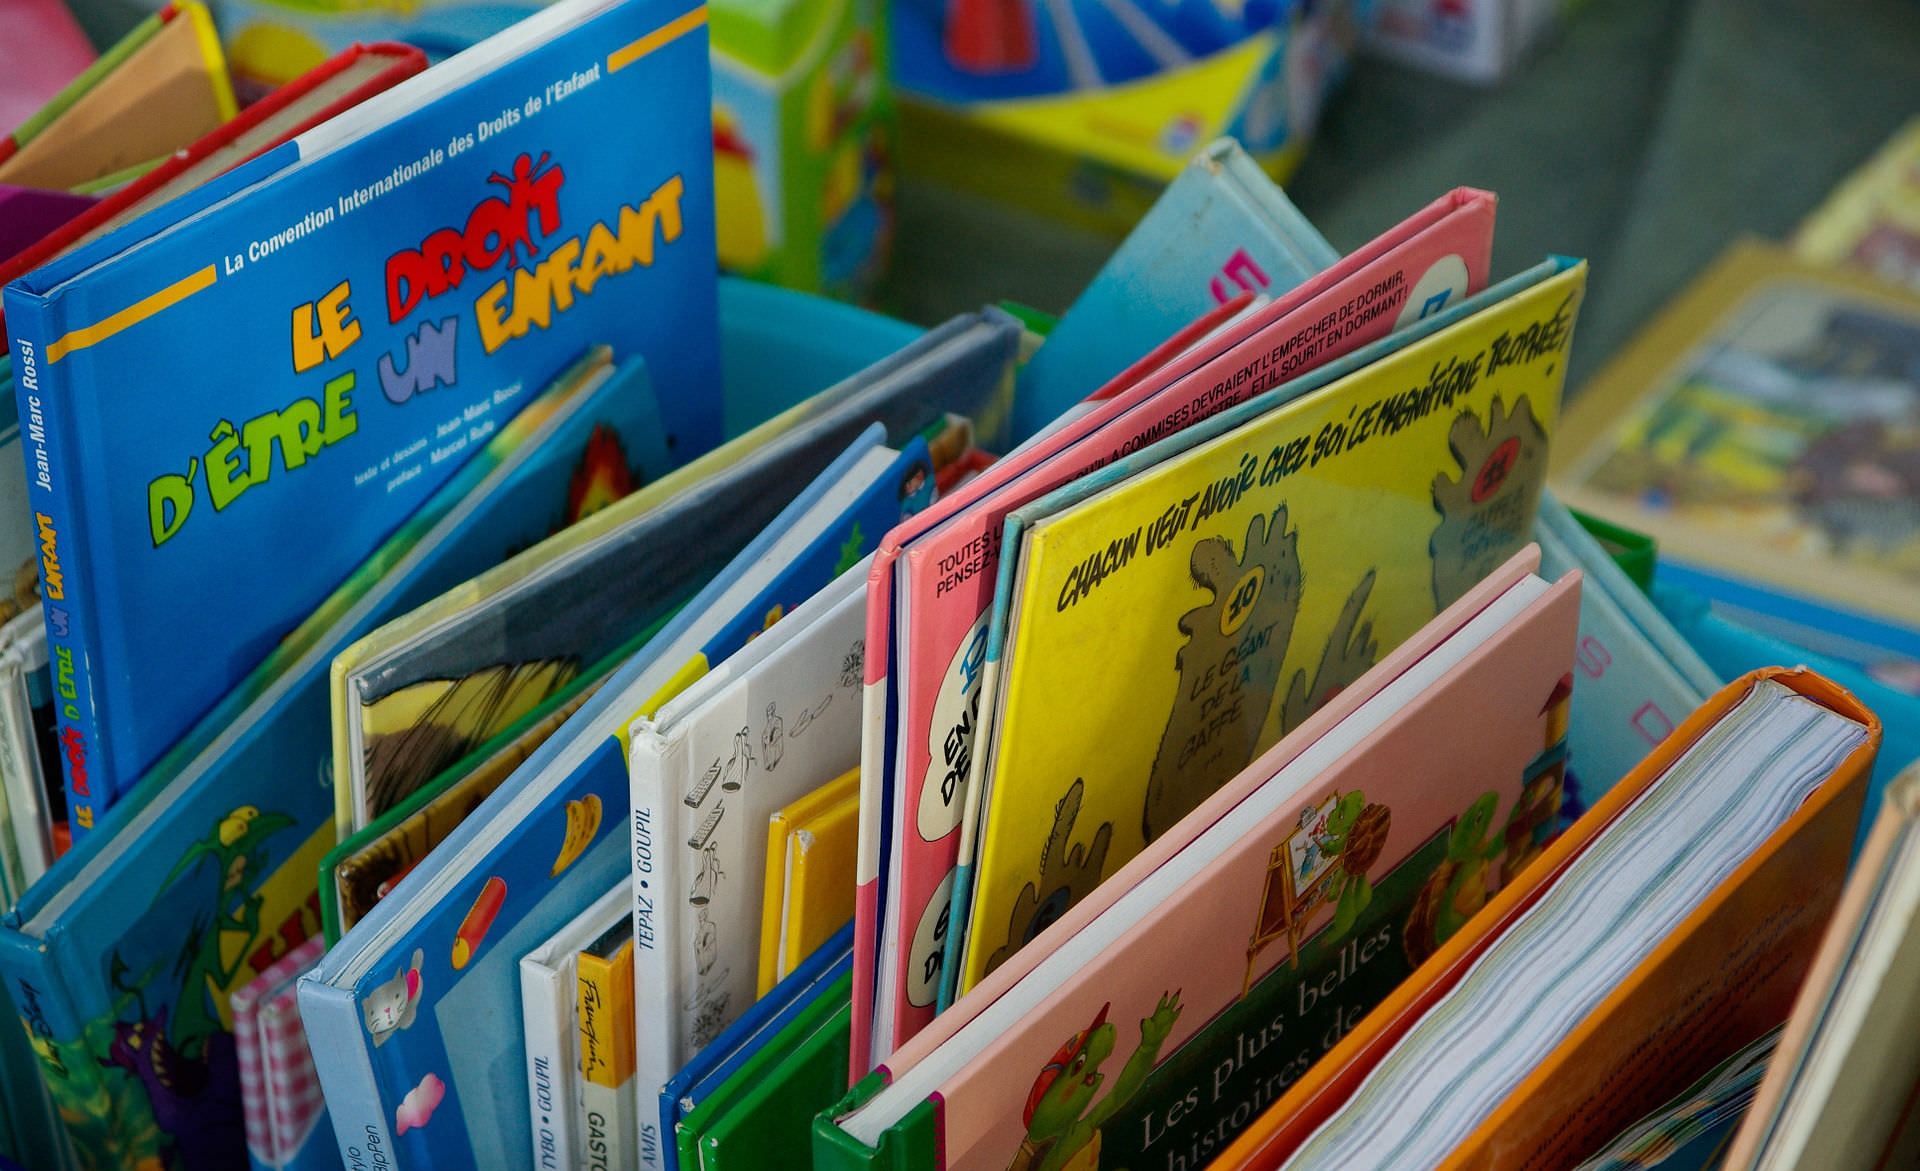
{"x": 1355, "y": 835}
{"x": 1458, "y": 886}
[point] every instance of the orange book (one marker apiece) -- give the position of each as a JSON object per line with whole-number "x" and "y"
{"x": 1727, "y": 974}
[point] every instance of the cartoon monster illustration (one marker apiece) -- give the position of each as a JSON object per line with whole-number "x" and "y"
{"x": 1458, "y": 886}
{"x": 1486, "y": 514}
{"x": 390, "y": 1007}
{"x": 1066, "y": 876}
{"x": 1355, "y": 834}
{"x": 1228, "y": 668}
{"x": 195, "y": 1099}
{"x": 1349, "y": 654}
{"x": 1063, "y": 1121}
{"x": 740, "y": 765}
{"x": 773, "y": 739}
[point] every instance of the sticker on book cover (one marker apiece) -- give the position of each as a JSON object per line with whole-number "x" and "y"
{"x": 1444, "y": 283}
{"x": 956, "y": 716}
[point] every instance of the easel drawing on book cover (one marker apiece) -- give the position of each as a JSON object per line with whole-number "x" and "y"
{"x": 1324, "y": 861}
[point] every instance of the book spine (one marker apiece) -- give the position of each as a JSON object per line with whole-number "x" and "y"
{"x": 655, "y": 931}
{"x": 48, "y": 441}
{"x": 41, "y": 989}
{"x": 547, "y": 1013}
{"x": 609, "y": 1111}
{"x": 345, "y": 1067}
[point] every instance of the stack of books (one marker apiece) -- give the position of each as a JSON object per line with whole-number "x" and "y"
{"x": 488, "y": 692}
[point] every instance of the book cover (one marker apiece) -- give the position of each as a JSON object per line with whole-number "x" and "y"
{"x": 1872, "y": 220}
{"x": 1235, "y": 576}
{"x": 331, "y": 87}
{"x": 717, "y": 1073}
{"x": 945, "y": 579}
{"x": 569, "y": 607}
{"x": 1174, "y": 1016}
{"x": 221, "y": 857}
{"x": 823, "y": 805}
{"x": 773, "y": 722}
{"x": 157, "y": 89}
{"x": 1840, "y": 1087}
{"x": 608, "y": 1108}
{"x": 1691, "y": 1131}
{"x": 1723, "y": 975}
{"x": 1763, "y": 430}
{"x": 414, "y": 272}
{"x": 1221, "y": 227}
{"x": 816, "y": 890}
{"x": 762, "y": 1116}
{"x": 278, "y": 1089}
{"x": 548, "y": 997}
{"x": 487, "y": 886}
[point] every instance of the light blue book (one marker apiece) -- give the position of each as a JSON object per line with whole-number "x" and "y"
{"x": 423, "y": 1086}
{"x": 1221, "y": 228}
{"x": 960, "y": 912}
{"x": 1634, "y": 677}
{"x": 712, "y": 1066}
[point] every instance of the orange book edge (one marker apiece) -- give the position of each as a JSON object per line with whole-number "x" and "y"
{"x": 1278, "y": 1133}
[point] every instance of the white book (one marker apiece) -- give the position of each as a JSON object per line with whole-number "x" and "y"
{"x": 775, "y": 721}
{"x": 547, "y": 1020}
{"x": 26, "y": 840}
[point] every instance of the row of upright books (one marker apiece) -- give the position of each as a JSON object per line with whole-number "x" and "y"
{"x": 520, "y": 700}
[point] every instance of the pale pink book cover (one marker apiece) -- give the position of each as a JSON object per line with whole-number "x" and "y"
{"x": 1178, "y": 1033}
{"x": 1425, "y": 263}
{"x": 1395, "y": 664}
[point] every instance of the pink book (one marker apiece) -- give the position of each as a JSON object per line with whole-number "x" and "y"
{"x": 1151, "y": 1024}
{"x": 278, "y": 1088}
{"x": 41, "y": 50}
{"x": 941, "y": 591}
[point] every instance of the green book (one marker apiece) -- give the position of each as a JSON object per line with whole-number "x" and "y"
{"x": 764, "y": 1112}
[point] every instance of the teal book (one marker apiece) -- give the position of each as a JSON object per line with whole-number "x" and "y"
{"x": 231, "y": 402}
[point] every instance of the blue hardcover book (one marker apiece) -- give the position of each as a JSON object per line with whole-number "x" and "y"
{"x": 437, "y": 1094}
{"x": 229, "y": 407}
{"x": 1733, "y": 649}
{"x": 708, "y": 1069}
{"x": 1634, "y": 677}
{"x": 122, "y": 958}
{"x": 1222, "y": 227}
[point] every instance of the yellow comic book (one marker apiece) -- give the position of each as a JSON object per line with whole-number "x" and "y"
{"x": 802, "y": 902}
{"x": 1172, "y": 616}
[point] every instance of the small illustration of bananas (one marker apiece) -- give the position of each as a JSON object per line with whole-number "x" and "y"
{"x": 583, "y": 821}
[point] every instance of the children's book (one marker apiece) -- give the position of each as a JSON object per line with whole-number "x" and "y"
{"x": 770, "y": 724}
{"x": 934, "y": 580}
{"x": 1480, "y": 41}
{"x": 713, "y": 1077}
{"x": 1840, "y": 1090}
{"x": 608, "y": 1109}
{"x": 1763, "y": 429}
{"x": 1666, "y": 929}
{"x": 1221, "y": 227}
{"x": 1691, "y": 1132}
{"x": 1635, "y": 677}
{"x": 808, "y": 895}
{"x": 1872, "y": 220}
{"x": 335, "y": 85}
{"x": 42, "y": 48}
{"x": 160, "y": 87}
{"x": 1183, "y": 578}
{"x": 284, "y": 1109}
{"x": 364, "y": 867}
{"x": 549, "y": 988}
{"x": 569, "y": 608}
{"x": 1170, "y": 1018}
{"x": 762, "y": 1115}
{"x": 27, "y": 750}
{"x": 482, "y": 883}
{"x": 560, "y": 245}
{"x": 221, "y": 856}
{"x": 27, "y": 214}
